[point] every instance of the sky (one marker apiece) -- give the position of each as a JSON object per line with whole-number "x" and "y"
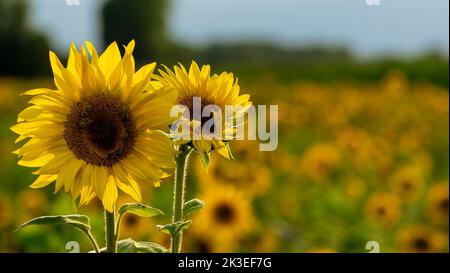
{"x": 391, "y": 27}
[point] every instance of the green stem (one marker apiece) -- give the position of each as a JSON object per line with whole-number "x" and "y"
{"x": 111, "y": 238}
{"x": 93, "y": 242}
{"x": 178, "y": 194}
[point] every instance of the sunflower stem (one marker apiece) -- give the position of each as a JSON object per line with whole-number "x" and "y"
{"x": 93, "y": 242}
{"x": 110, "y": 228}
{"x": 182, "y": 160}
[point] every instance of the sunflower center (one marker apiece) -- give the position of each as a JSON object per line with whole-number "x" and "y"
{"x": 189, "y": 103}
{"x": 381, "y": 211}
{"x": 443, "y": 205}
{"x": 407, "y": 186}
{"x": 203, "y": 247}
{"x": 224, "y": 213}
{"x": 131, "y": 220}
{"x": 99, "y": 130}
{"x": 421, "y": 244}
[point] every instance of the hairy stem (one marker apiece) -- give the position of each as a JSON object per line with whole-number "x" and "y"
{"x": 178, "y": 194}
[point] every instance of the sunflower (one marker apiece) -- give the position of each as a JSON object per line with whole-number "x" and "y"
{"x": 407, "y": 183}
{"x": 437, "y": 203}
{"x": 198, "y": 243}
{"x": 253, "y": 179}
{"x": 320, "y": 161}
{"x": 99, "y": 130}
{"x": 227, "y": 215}
{"x": 264, "y": 241}
{"x": 421, "y": 238}
{"x": 218, "y": 90}
{"x": 355, "y": 187}
{"x": 383, "y": 209}
{"x": 31, "y": 203}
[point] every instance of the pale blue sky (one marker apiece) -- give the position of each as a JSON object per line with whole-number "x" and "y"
{"x": 395, "y": 26}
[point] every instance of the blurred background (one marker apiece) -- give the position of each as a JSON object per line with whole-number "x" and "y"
{"x": 362, "y": 89}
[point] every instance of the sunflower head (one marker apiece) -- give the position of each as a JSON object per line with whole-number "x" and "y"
{"x": 407, "y": 183}
{"x": 383, "y": 209}
{"x": 420, "y": 238}
{"x": 198, "y": 89}
{"x": 437, "y": 203}
{"x": 99, "y": 130}
{"x": 227, "y": 211}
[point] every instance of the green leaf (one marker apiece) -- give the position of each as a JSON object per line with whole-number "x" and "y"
{"x": 204, "y": 157}
{"x": 174, "y": 228}
{"x": 131, "y": 246}
{"x": 77, "y": 220}
{"x": 140, "y": 210}
{"x": 192, "y": 206}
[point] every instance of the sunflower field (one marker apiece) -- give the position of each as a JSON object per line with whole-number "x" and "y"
{"x": 359, "y": 165}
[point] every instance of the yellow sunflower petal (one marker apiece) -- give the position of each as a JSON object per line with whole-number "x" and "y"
{"x": 110, "y": 194}
{"x": 42, "y": 181}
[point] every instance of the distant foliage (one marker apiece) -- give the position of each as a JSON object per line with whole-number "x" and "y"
{"x": 142, "y": 20}
{"x": 24, "y": 50}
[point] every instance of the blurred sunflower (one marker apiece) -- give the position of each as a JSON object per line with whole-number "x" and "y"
{"x": 437, "y": 203}
{"x": 203, "y": 244}
{"x": 407, "y": 183}
{"x": 248, "y": 150}
{"x": 133, "y": 226}
{"x": 5, "y": 212}
{"x": 421, "y": 239}
{"x": 383, "y": 209}
{"x": 99, "y": 130}
{"x": 265, "y": 241}
{"x": 220, "y": 90}
{"x": 355, "y": 187}
{"x": 227, "y": 215}
{"x": 319, "y": 161}
{"x": 31, "y": 203}
{"x": 252, "y": 179}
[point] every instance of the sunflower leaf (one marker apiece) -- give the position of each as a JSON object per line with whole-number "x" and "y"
{"x": 139, "y": 210}
{"x": 77, "y": 220}
{"x": 192, "y": 206}
{"x": 204, "y": 157}
{"x": 131, "y": 246}
{"x": 174, "y": 228}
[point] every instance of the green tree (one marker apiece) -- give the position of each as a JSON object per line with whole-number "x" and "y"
{"x": 24, "y": 50}
{"x": 142, "y": 20}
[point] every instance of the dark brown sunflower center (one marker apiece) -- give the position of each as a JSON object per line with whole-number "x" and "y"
{"x": 99, "y": 130}
{"x": 381, "y": 211}
{"x": 189, "y": 103}
{"x": 421, "y": 244}
{"x": 131, "y": 220}
{"x": 203, "y": 246}
{"x": 443, "y": 205}
{"x": 224, "y": 213}
{"x": 407, "y": 186}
